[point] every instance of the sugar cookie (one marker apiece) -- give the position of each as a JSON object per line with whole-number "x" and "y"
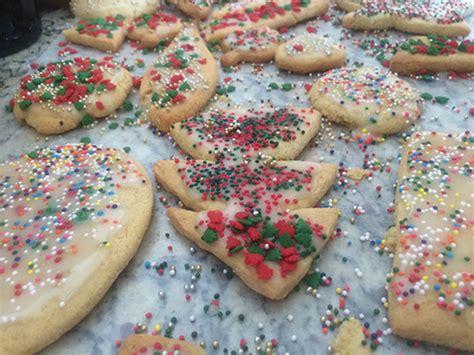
{"x": 102, "y": 8}
{"x": 83, "y": 211}
{"x": 255, "y": 46}
{"x": 367, "y": 98}
{"x": 421, "y": 17}
{"x": 433, "y": 54}
{"x": 280, "y": 133}
{"x": 207, "y": 185}
{"x": 58, "y": 96}
{"x": 181, "y": 81}
{"x": 308, "y": 53}
{"x": 152, "y": 29}
{"x": 349, "y": 339}
{"x": 274, "y": 14}
{"x": 105, "y": 34}
{"x": 430, "y": 287}
{"x": 239, "y": 238}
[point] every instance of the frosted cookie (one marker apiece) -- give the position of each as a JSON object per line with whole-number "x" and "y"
{"x": 433, "y": 54}
{"x": 349, "y": 5}
{"x": 102, "y": 8}
{"x": 349, "y": 339}
{"x": 105, "y": 34}
{"x": 181, "y": 81}
{"x": 308, "y": 53}
{"x": 207, "y": 185}
{"x": 71, "y": 218}
{"x": 280, "y": 133}
{"x": 138, "y": 344}
{"x": 367, "y": 98}
{"x": 430, "y": 287}
{"x": 421, "y": 17}
{"x": 59, "y": 95}
{"x": 274, "y": 14}
{"x": 152, "y": 29}
{"x": 197, "y": 9}
{"x": 270, "y": 253}
{"x": 255, "y": 46}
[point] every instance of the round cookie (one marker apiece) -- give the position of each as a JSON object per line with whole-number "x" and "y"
{"x": 152, "y": 29}
{"x": 102, "y": 8}
{"x": 367, "y": 98}
{"x": 71, "y": 218}
{"x": 59, "y": 95}
{"x": 308, "y": 53}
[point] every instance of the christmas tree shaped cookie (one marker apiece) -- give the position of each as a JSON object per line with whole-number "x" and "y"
{"x": 58, "y": 96}
{"x": 281, "y": 133}
{"x": 152, "y": 30}
{"x": 273, "y": 14}
{"x": 180, "y": 82}
{"x": 103, "y": 33}
{"x": 253, "y": 215}
{"x": 208, "y": 185}
{"x": 433, "y": 54}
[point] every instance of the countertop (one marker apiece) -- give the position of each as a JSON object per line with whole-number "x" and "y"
{"x": 353, "y": 261}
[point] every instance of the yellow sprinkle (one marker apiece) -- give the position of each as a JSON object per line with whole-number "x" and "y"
{"x": 425, "y": 278}
{"x": 30, "y": 272}
{"x": 438, "y": 266}
{"x": 158, "y": 328}
{"x": 338, "y": 290}
{"x": 454, "y": 285}
{"x": 455, "y": 231}
{"x": 385, "y": 304}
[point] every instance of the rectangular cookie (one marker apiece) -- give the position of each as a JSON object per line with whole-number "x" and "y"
{"x": 430, "y": 287}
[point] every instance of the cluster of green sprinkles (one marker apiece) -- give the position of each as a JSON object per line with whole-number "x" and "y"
{"x": 250, "y": 183}
{"x": 177, "y": 71}
{"x": 58, "y": 206}
{"x": 435, "y": 261}
{"x": 100, "y": 26}
{"x": 236, "y": 132}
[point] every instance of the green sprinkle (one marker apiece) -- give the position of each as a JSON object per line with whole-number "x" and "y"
{"x": 127, "y": 106}
{"x": 442, "y": 99}
{"x": 87, "y": 120}
{"x": 85, "y": 140}
{"x": 286, "y": 87}
{"x": 113, "y": 125}
{"x": 79, "y": 105}
{"x": 313, "y": 280}
{"x": 426, "y": 96}
{"x": 127, "y": 149}
{"x": 273, "y": 86}
{"x": 25, "y": 104}
{"x": 209, "y": 236}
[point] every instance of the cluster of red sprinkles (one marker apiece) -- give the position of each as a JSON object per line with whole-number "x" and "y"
{"x": 153, "y": 21}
